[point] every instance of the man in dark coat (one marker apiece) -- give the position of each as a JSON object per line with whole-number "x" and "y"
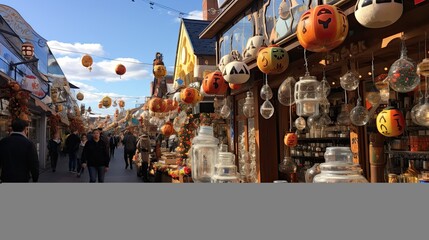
{"x": 18, "y": 155}
{"x": 72, "y": 146}
{"x": 130, "y": 145}
{"x": 96, "y": 157}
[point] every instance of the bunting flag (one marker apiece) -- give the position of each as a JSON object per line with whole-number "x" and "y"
{"x": 418, "y": 1}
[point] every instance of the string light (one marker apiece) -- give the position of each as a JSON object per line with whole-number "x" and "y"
{"x": 153, "y": 4}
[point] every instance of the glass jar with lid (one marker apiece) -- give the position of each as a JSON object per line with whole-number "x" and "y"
{"x": 339, "y": 167}
{"x": 226, "y": 170}
{"x": 204, "y": 153}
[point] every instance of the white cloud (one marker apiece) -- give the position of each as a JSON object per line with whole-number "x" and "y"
{"x": 67, "y": 49}
{"x": 196, "y": 14}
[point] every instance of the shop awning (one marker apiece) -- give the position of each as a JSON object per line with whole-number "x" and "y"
{"x": 42, "y": 105}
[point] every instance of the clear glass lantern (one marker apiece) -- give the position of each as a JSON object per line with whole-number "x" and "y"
{"x": 339, "y": 167}
{"x": 249, "y": 108}
{"x": 307, "y": 96}
{"x": 288, "y": 167}
{"x": 402, "y": 74}
{"x": 204, "y": 154}
{"x": 226, "y": 170}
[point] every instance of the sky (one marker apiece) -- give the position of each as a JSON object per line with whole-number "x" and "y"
{"x": 112, "y": 32}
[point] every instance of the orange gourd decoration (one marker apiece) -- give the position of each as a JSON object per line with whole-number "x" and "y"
{"x": 87, "y": 61}
{"x": 322, "y": 28}
{"x": 106, "y": 102}
{"x": 159, "y": 71}
{"x": 59, "y": 108}
{"x": 157, "y": 104}
{"x": 14, "y": 86}
{"x": 167, "y": 129}
{"x": 79, "y": 96}
{"x": 214, "y": 83}
{"x": 121, "y": 103}
{"x": 272, "y": 59}
{"x": 24, "y": 116}
{"x": 190, "y": 95}
{"x": 171, "y": 106}
{"x": 120, "y": 70}
{"x": 390, "y": 122}
{"x": 291, "y": 139}
{"x": 235, "y": 86}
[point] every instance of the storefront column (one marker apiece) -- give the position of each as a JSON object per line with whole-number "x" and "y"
{"x": 42, "y": 142}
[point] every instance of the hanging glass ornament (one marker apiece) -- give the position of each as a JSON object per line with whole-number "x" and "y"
{"x": 359, "y": 115}
{"x": 266, "y": 92}
{"x": 306, "y": 96}
{"x": 312, "y": 119}
{"x": 248, "y": 108}
{"x": 324, "y": 105}
{"x": 324, "y": 88}
{"x": 225, "y": 112}
{"x": 343, "y": 118}
{"x": 349, "y": 81}
{"x": 267, "y": 109}
{"x": 324, "y": 120}
{"x": 422, "y": 112}
{"x": 300, "y": 123}
{"x": 416, "y": 107}
{"x": 286, "y": 92}
{"x": 402, "y": 74}
{"x": 423, "y": 68}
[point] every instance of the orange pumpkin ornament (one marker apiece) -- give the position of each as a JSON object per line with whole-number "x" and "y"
{"x": 235, "y": 86}
{"x": 171, "y": 106}
{"x": 87, "y": 61}
{"x": 272, "y": 59}
{"x": 79, "y": 96}
{"x": 121, "y": 103}
{"x": 157, "y": 104}
{"x": 159, "y": 71}
{"x": 24, "y": 116}
{"x": 167, "y": 129}
{"x": 390, "y": 122}
{"x": 322, "y": 28}
{"x": 189, "y": 95}
{"x": 120, "y": 69}
{"x": 291, "y": 139}
{"x": 214, "y": 83}
{"x": 106, "y": 102}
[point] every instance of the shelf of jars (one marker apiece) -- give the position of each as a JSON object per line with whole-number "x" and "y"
{"x": 325, "y": 140}
{"x": 422, "y": 155}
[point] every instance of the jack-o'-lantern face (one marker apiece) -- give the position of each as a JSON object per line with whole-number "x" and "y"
{"x": 106, "y": 102}
{"x": 322, "y": 28}
{"x": 291, "y": 139}
{"x": 390, "y": 122}
{"x": 159, "y": 71}
{"x": 272, "y": 60}
{"x": 214, "y": 83}
{"x": 157, "y": 104}
{"x": 253, "y": 46}
{"x": 236, "y": 72}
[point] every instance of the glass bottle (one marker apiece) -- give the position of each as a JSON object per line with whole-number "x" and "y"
{"x": 411, "y": 174}
{"x": 204, "y": 153}
{"x": 339, "y": 167}
{"x": 226, "y": 170}
{"x": 288, "y": 167}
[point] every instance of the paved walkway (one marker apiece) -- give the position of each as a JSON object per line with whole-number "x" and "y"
{"x": 116, "y": 173}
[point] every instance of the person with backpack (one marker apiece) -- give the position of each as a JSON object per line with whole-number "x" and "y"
{"x": 130, "y": 144}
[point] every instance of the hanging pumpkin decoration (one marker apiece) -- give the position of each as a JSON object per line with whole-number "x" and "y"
{"x": 214, "y": 83}
{"x": 167, "y": 129}
{"x": 322, "y": 28}
{"x": 225, "y": 60}
{"x": 253, "y": 45}
{"x": 24, "y": 116}
{"x": 27, "y": 50}
{"x": 234, "y": 86}
{"x": 120, "y": 69}
{"x": 170, "y": 105}
{"x": 106, "y": 102}
{"x": 237, "y": 71}
{"x": 272, "y": 59}
{"x": 14, "y": 86}
{"x": 190, "y": 95}
{"x": 378, "y": 14}
{"x": 121, "y": 103}
{"x": 87, "y": 61}
{"x": 291, "y": 139}
{"x": 157, "y": 104}
{"x": 79, "y": 96}
{"x": 390, "y": 122}
{"x": 159, "y": 71}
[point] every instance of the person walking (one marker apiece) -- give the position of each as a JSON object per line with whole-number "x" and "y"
{"x": 143, "y": 148}
{"x": 72, "y": 146}
{"x": 96, "y": 157}
{"x": 83, "y": 140}
{"x": 130, "y": 142}
{"x": 19, "y": 160}
{"x": 54, "y": 148}
{"x": 113, "y": 143}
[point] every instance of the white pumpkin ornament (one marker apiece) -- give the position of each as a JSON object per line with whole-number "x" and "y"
{"x": 378, "y": 13}
{"x": 236, "y": 72}
{"x": 225, "y": 60}
{"x": 252, "y": 47}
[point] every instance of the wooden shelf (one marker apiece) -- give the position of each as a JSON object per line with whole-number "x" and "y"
{"x": 421, "y": 155}
{"x": 324, "y": 140}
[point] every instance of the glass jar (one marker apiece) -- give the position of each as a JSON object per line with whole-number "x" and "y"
{"x": 204, "y": 153}
{"x": 288, "y": 167}
{"x": 339, "y": 167}
{"x": 226, "y": 170}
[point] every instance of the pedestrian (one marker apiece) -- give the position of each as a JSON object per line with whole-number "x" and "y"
{"x": 113, "y": 143}
{"x": 130, "y": 142}
{"x": 105, "y": 139}
{"x": 96, "y": 157}
{"x": 72, "y": 145}
{"x": 118, "y": 139}
{"x": 54, "y": 149}
{"x": 19, "y": 160}
{"x": 143, "y": 148}
{"x": 83, "y": 140}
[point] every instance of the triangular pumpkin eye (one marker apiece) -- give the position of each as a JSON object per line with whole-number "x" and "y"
{"x": 233, "y": 71}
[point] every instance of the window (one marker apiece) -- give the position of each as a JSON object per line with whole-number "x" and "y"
{"x": 236, "y": 37}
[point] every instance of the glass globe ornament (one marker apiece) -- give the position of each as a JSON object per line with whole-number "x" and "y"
{"x": 349, "y": 81}
{"x": 249, "y": 108}
{"x": 225, "y": 111}
{"x": 312, "y": 120}
{"x": 402, "y": 74}
{"x": 324, "y": 120}
{"x": 422, "y": 115}
{"x": 414, "y": 112}
{"x": 267, "y": 109}
{"x": 423, "y": 68}
{"x": 286, "y": 92}
{"x": 359, "y": 115}
{"x": 343, "y": 118}
{"x": 324, "y": 88}
{"x": 266, "y": 92}
{"x": 300, "y": 123}
{"x": 287, "y": 166}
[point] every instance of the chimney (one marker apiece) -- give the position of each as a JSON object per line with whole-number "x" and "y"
{"x": 210, "y": 9}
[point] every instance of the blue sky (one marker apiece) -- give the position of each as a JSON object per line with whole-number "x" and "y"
{"x": 114, "y": 29}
